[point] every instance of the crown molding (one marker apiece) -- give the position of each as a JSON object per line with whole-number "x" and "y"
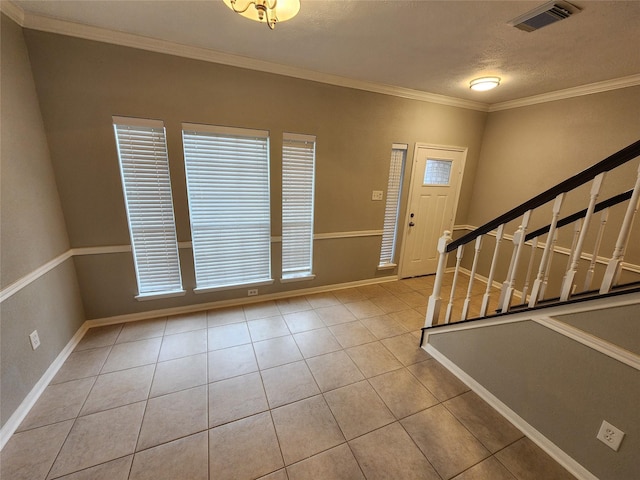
{"x": 14, "y": 12}
{"x": 588, "y": 89}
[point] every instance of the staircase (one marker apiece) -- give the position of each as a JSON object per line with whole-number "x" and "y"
{"x": 551, "y": 257}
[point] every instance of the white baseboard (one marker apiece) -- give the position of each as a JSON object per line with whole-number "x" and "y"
{"x": 21, "y": 412}
{"x": 534, "y": 435}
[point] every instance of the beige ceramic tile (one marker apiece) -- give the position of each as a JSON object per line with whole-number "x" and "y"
{"x": 261, "y": 310}
{"x": 351, "y": 334}
{"x": 334, "y": 370}
{"x": 449, "y": 446}
{"x": 183, "y": 459}
{"x": 119, "y": 388}
{"x": 370, "y": 291}
{"x": 324, "y": 299}
{"x": 231, "y": 362}
{"x": 390, "y": 303}
{"x": 186, "y": 323}
{"x": 364, "y": 309}
{"x": 303, "y": 321}
{"x": 29, "y": 455}
{"x": 335, "y": 314}
{"x": 406, "y": 349}
{"x": 336, "y": 463}
{"x": 349, "y": 295}
{"x": 316, "y": 342}
{"x": 228, "y": 336}
{"x": 236, "y": 398}
{"x": 527, "y": 461}
{"x": 420, "y": 284}
{"x": 383, "y": 326}
{"x": 117, "y": 469}
{"x": 288, "y": 383}
{"x": 396, "y": 288}
{"x": 58, "y": 402}
{"x": 278, "y": 475}
{"x": 487, "y": 425}
{"x": 276, "y": 351}
{"x": 373, "y": 359}
{"x": 305, "y": 428}
{"x": 293, "y": 304}
{"x": 414, "y": 299}
{"x": 244, "y": 449}
{"x": 389, "y": 453}
{"x": 489, "y": 469}
{"x": 99, "y": 337}
{"x": 183, "y": 345}
{"x": 99, "y": 438}
{"x": 409, "y": 319}
{"x": 402, "y": 393}
{"x": 142, "y": 329}
{"x": 83, "y": 364}
{"x": 225, "y": 316}
{"x": 438, "y": 380}
{"x": 179, "y": 374}
{"x": 173, "y": 416}
{"x": 358, "y": 409}
{"x": 132, "y": 354}
{"x": 265, "y": 328}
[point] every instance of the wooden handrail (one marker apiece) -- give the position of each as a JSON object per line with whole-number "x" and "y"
{"x": 619, "y": 158}
{"x": 610, "y": 202}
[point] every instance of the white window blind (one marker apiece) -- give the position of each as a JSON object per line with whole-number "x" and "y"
{"x": 144, "y": 166}
{"x": 228, "y": 189}
{"x": 298, "y": 171}
{"x": 392, "y": 209}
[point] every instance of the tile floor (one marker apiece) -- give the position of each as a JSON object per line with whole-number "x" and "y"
{"x": 326, "y": 386}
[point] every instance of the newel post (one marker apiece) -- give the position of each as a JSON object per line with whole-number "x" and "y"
{"x": 433, "y": 307}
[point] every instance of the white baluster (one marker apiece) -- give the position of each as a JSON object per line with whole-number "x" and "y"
{"x": 567, "y": 282}
{"x": 525, "y": 289}
{"x": 459, "y": 253}
{"x": 476, "y": 255}
{"x": 433, "y": 307}
{"x": 577, "y": 227}
{"x": 492, "y": 271}
{"x": 545, "y": 281}
{"x": 612, "y": 273}
{"x": 604, "y": 216}
{"x": 518, "y": 240}
{"x": 536, "y": 291}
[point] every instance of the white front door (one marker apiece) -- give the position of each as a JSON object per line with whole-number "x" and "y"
{"x": 433, "y": 198}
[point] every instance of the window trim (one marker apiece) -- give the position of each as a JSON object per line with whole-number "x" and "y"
{"x": 392, "y": 207}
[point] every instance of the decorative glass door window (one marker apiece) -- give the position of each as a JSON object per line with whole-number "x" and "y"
{"x": 437, "y": 172}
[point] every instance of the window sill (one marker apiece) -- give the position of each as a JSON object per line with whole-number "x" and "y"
{"x": 298, "y": 278}
{"x": 387, "y": 266}
{"x": 143, "y": 297}
{"x": 232, "y": 287}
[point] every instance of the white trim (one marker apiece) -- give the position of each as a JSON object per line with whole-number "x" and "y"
{"x": 100, "y": 250}
{"x": 354, "y": 234}
{"x": 32, "y": 397}
{"x": 533, "y": 434}
{"x": 298, "y": 137}
{"x": 12, "y": 11}
{"x": 607, "y": 348}
{"x": 300, "y": 278}
{"x": 156, "y": 296}
{"x": 588, "y": 89}
{"x": 233, "y": 287}
{"x": 465, "y": 227}
{"x": 19, "y": 284}
{"x": 224, "y": 130}
{"x": 137, "y": 122}
{"x": 387, "y": 266}
{"x": 399, "y": 146}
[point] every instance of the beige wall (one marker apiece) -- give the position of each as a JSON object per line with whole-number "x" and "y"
{"x": 81, "y": 84}
{"x": 33, "y": 232}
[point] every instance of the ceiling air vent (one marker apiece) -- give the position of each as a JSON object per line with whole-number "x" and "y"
{"x": 550, "y": 12}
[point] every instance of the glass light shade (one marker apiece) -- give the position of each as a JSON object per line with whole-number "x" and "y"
{"x": 485, "y": 83}
{"x": 280, "y": 9}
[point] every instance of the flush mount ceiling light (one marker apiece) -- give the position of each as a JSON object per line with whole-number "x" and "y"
{"x": 485, "y": 83}
{"x": 268, "y": 11}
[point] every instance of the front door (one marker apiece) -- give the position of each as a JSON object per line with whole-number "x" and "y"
{"x": 435, "y": 186}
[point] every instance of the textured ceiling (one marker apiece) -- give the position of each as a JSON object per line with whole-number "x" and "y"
{"x": 430, "y": 46}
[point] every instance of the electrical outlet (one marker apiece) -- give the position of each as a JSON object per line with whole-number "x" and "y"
{"x": 253, "y": 292}
{"x": 377, "y": 195}
{"x": 609, "y": 435}
{"x": 35, "y": 339}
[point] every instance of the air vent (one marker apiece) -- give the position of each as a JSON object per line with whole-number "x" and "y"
{"x": 544, "y": 15}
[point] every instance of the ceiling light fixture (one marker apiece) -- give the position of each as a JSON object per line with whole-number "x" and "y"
{"x": 268, "y": 11}
{"x": 485, "y": 83}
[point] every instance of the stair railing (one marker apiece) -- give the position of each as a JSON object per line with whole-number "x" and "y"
{"x": 581, "y": 220}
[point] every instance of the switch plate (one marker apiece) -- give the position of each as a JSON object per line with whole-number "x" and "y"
{"x": 609, "y": 435}
{"x": 35, "y": 339}
{"x": 253, "y": 292}
{"x": 377, "y": 195}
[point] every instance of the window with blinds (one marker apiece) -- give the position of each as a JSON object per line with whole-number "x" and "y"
{"x": 144, "y": 167}
{"x": 228, "y": 188}
{"x": 298, "y": 172}
{"x": 392, "y": 209}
